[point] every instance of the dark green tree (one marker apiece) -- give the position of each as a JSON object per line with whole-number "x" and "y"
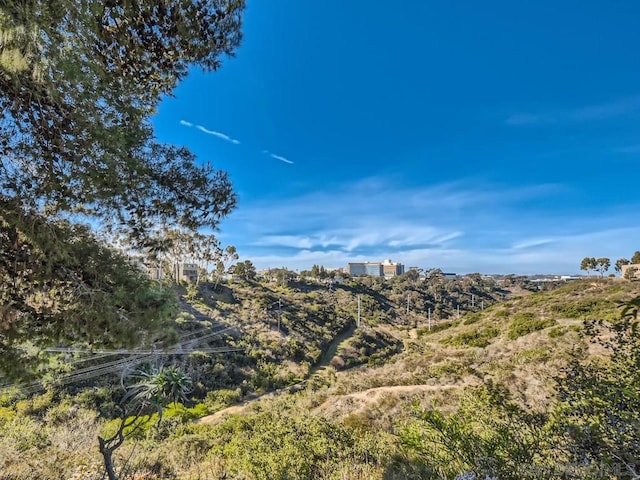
{"x": 602, "y": 265}
{"x": 489, "y": 436}
{"x": 244, "y": 270}
{"x": 79, "y": 82}
{"x": 60, "y": 284}
{"x": 588, "y": 264}
{"x": 620, "y": 263}
{"x": 600, "y": 407}
{"x": 635, "y": 259}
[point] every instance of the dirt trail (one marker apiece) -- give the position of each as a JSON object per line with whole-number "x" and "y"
{"x": 324, "y": 361}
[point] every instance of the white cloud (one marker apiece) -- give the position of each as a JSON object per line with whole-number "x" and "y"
{"x": 529, "y": 119}
{"x": 278, "y": 157}
{"x": 282, "y": 159}
{"x": 525, "y": 244}
{"x": 464, "y": 226}
{"x": 221, "y": 135}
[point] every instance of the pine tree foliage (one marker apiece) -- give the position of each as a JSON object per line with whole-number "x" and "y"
{"x": 79, "y": 81}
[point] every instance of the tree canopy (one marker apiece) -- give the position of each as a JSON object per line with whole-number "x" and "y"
{"x": 79, "y": 81}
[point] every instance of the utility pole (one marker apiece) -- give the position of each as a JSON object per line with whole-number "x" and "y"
{"x": 458, "y": 311}
{"x": 279, "y": 312}
{"x": 473, "y": 300}
{"x": 358, "y": 322}
{"x": 482, "y": 305}
{"x": 429, "y": 319}
{"x": 407, "y": 303}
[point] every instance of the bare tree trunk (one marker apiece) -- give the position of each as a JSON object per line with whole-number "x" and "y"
{"x": 107, "y": 448}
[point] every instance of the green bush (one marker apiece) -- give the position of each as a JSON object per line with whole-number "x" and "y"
{"x": 480, "y": 337}
{"x": 219, "y": 399}
{"x": 471, "y": 318}
{"x": 593, "y": 309}
{"x": 438, "y": 327}
{"x": 270, "y": 445}
{"x": 448, "y": 368}
{"x": 526, "y": 322}
{"x": 489, "y": 436}
{"x": 556, "y": 332}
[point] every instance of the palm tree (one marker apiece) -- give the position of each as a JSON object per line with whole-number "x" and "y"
{"x": 154, "y": 389}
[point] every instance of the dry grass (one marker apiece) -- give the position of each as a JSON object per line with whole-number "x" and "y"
{"x": 439, "y": 362}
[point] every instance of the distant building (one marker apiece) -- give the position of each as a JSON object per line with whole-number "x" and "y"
{"x": 360, "y": 269}
{"x": 188, "y": 271}
{"x": 449, "y": 276}
{"x": 390, "y": 269}
{"x": 375, "y": 269}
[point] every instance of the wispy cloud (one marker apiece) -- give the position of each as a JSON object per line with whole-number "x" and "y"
{"x": 227, "y": 138}
{"x": 282, "y": 159}
{"x": 278, "y": 157}
{"x": 518, "y": 119}
{"x": 221, "y": 135}
{"x": 596, "y": 112}
{"x": 460, "y": 226}
{"x": 561, "y": 256}
{"x": 533, "y": 243}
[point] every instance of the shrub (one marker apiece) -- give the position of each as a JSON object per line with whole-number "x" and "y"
{"x": 525, "y": 323}
{"x": 219, "y": 399}
{"x": 471, "y": 318}
{"x": 556, "y": 332}
{"x": 436, "y": 328}
{"x": 489, "y": 436}
{"x": 480, "y": 337}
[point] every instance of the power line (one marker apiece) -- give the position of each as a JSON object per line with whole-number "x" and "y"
{"x": 186, "y": 346}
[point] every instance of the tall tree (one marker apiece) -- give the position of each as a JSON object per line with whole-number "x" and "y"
{"x": 588, "y": 264}
{"x": 636, "y": 257}
{"x": 620, "y": 263}
{"x": 244, "y": 270}
{"x": 602, "y": 265}
{"x": 601, "y": 400}
{"x": 60, "y": 284}
{"x": 79, "y": 81}
{"x": 224, "y": 263}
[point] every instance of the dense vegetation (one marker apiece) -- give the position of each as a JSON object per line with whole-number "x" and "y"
{"x": 79, "y": 82}
{"x": 468, "y": 397}
{"x": 279, "y": 378}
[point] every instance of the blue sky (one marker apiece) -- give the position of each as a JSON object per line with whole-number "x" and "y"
{"x": 500, "y": 136}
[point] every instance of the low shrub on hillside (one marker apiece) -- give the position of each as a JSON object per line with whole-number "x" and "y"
{"x": 525, "y": 323}
{"x": 479, "y": 337}
{"x": 471, "y": 318}
{"x": 438, "y": 327}
{"x": 556, "y": 332}
{"x": 367, "y": 347}
{"x": 593, "y": 309}
{"x": 219, "y": 399}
